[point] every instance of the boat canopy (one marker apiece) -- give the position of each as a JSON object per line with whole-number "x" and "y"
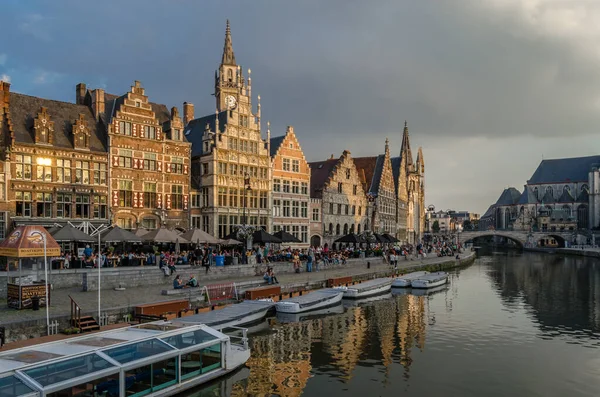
{"x": 137, "y": 360}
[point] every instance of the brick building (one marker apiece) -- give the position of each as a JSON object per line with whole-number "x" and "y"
{"x": 291, "y": 181}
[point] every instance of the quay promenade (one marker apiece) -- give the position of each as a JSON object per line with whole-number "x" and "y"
{"x": 28, "y": 323}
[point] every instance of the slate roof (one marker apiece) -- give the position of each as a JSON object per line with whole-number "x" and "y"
{"x": 195, "y": 130}
{"x": 562, "y": 170}
{"x": 489, "y": 213}
{"x": 396, "y": 170}
{"x": 548, "y": 198}
{"x": 509, "y": 196}
{"x": 24, "y": 109}
{"x": 369, "y": 167}
{"x": 319, "y": 173}
{"x": 528, "y": 197}
{"x": 584, "y": 197}
{"x": 559, "y": 214}
{"x": 275, "y": 143}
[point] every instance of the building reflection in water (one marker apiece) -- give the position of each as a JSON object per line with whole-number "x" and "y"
{"x": 378, "y": 334}
{"x": 563, "y": 293}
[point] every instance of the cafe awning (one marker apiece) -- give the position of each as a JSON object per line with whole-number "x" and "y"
{"x": 118, "y": 235}
{"x": 27, "y": 242}
{"x": 70, "y": 233}
{"x": 199, "y": 236}
{"x": 164, "y": 235}
{"x": 286, "y": 237}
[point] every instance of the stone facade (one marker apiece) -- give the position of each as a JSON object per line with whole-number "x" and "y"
{"x": 231, "y": 163}
{"x": 344, "y": 202}
{"x": 291, "y": 181}
{"x": 316, "y": 226}
{"x": 150, "y": 164}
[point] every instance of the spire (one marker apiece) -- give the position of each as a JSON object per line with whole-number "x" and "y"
{"x": 228, "y": 55}
{"x": 387, "y": 145}
{"x": 405, "y": 151}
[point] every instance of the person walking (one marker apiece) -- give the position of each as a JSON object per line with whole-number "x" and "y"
{"x": 309, "y": 262}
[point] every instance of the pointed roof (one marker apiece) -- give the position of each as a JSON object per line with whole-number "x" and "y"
{"x": 574, "y": 169}
{"x": 27, "y": 242}
{"x": 71, "y": 233}
{"x": 548, "y": 198}
{"x": 584, "y": 196}
{"x": 405, "y": 148}
{"x": 319, "y": 173}
{"x": 275, "y": 142}
{"x": 228, "y": 55}
{"x": 164, "y": 235}
{"x": 528, "y": 197}
{"x": 565, "y": 197}
{"x": 509, "y": 196}
{"x": 368, "y": 165}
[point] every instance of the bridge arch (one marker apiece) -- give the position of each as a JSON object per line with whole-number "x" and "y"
{"x": 545, "y": 241}
{"x": 469, "y": 237}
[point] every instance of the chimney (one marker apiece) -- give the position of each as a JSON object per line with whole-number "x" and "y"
{"x": 331, "y": 158}
{"x": 98, "y": 102}
{"x": 80, "y": 92}
{"x": 188, "y": 112}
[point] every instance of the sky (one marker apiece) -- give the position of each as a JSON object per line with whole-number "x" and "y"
{"x": 488, "y": 88}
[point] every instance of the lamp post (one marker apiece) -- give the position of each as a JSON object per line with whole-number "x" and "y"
{"x": 247, "y": 188}
{"x": 99, "y": 256}
{"x": 46, "y": 289}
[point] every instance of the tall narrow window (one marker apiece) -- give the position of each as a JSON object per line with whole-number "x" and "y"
{"x": 286, "y": 186}
{"x": 44, "y": 171}
{"x": 100, "y": 174}
{"x": 204, "y": 197}
{"x": 82, "y": 206}
{"x": 304, "y": 209}
{"x": 149, "y": 195}
{"x": 277, "y": 185}
{"x": 177, "y": 165}
{"x": 23, "y": 201}
{"x": 23, "y": 167}
{"x": 304, "y": 188}
{"x": 125, "y": 158}
{"x": 125, "y": 128}
{"x": 286, "y": 164}
{"x": 340, "y": 187}
{"x": 233, "y": 197}
{"x": 63, "y": 171}
{"x": 286, "y": 208}
{"x": 44, "y": 205}
{"x": 295, "y": 209}
{"x": 125, "y": 193}
{"x": 177, "y": 197}
{"x": 150, "y": 161}
{"x": 100, "y": 207}
{"x": 296, "y": 165}
{"x": 63, "y": 205}
{"x": 263, "y": 200}
{"x": 150, "y": 132}
{"x": 295, "y": 187}
{"x": 222, "y": 197}
{"x": 82, "y": 172}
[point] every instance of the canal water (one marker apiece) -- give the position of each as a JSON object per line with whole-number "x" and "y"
{"x": 512, "y": 324}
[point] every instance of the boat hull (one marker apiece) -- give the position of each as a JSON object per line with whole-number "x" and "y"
{"x": 429, "y": 283}
{"x": 355, "y": 292}
{"x": 406, "y": 280}
{"x": 289, "y": 306}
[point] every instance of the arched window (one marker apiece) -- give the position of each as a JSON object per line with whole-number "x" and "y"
{"x": 521, "y": 210}
{"x": 582, "y": 216}
{"x": 353, "y": 210}
{"x": 567, "y": 189}
{"x": 44, "y": 135}
{"x": 352, "y": 228}
{"x": 331, "y": 228}
{"x": 229, "y": 75}
{"x": 358, "y": 230}
{"x": 337, "y": 229}
{"x": 359, "y": 210}
{"x": 585, "y": 187}
{"x": 345, "y": 229}
{"x": 535, "y": 191}
{"x": 567, "y": 210}
{"x": 550, "y": 191}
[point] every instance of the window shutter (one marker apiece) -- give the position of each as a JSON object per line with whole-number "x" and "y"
{"x": 167, "y": 167}
{"x": 159, "y": 166}
{"x": 168, "y": 201}
{"x": 135, "y": 200}
{"x": 158, "y": 133}
{"x": 140, "y": 200}
{"x": 136, "y": 163}
{"x": 158, "y": 200}
{"x": 115, "y": 198}
{"x": 185, "y": 169}
{"x": 135, "y": 128}
{"x": 142, "y": 131}
{"x": 115, "y": 162}
{"x": 185, "y": 202}
{"x": 116, "y": 127}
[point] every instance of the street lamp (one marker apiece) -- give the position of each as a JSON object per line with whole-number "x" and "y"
{"x": 46, "y": 282}
{"x": 247, "y": 188}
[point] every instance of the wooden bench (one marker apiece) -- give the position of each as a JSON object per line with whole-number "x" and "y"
{"x": 159, "y": 308}
{"x": 334, "y": 282}
{"x": 148, "y": 318}
{"x": 263, "y": 292}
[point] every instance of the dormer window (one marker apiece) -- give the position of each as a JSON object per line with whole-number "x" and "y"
{"x": 176, "y": 135}
{"x": 81, "y": 133}
{"x": 43, "y": 127}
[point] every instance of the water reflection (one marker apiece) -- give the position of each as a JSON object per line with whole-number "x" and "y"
{"x": 561, "y": 293}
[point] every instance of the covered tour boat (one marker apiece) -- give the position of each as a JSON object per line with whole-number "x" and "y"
{"x": 315, "y": 300}
{"x": 155, "y": 359}
{"x": 405, "y": 281}
{"x": 367, "y": 288}
{"x": 430, "y": 280}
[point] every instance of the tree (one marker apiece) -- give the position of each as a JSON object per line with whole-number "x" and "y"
{"x": 435, "y": 227}
{"x": 467, "y": 225}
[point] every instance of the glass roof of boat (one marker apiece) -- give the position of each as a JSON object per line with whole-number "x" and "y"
{"x": 136, "y": 351}
{"x": 13, "y": 386}
{"x": 61, "y": 371}
{"x": 182, "y": 341}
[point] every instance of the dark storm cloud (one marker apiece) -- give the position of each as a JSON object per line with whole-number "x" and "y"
{"x": 346, "y": 73}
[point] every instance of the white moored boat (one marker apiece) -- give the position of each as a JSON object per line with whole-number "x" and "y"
{"x": 154, "y": 359}
{"x": 430, "y": 280}
{"x": 312, "y": 301}
{"x": 406, "y": 280}
{"x": 311, "y": 315}
{"x": 367, "y": 288}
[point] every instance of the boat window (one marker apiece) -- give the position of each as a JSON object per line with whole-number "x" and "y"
{"x": 150, "y": 378}
{"x": 200, "y": 362}
{"x": 137, "y": 351}
{"x": 105, "y": 386}
{"x": 12, "y": 386}
{"x": 61, "y": 371}
{"x": 188, "y": 339}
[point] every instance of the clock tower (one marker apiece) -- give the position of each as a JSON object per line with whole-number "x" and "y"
{"x": 229, "y": 82}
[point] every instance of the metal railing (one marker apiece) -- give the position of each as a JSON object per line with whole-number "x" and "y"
{"x": 75, "y": 313}
{"x": 233, "y": 336}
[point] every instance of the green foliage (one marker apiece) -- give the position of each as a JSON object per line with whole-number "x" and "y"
{"x": 71, "y": 331}
{"x": 435, "y": 227}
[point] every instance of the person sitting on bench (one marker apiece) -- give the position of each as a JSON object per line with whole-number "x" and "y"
{"x": 192, "y": 282}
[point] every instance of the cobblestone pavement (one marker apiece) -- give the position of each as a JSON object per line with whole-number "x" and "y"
{"x": 60, "y": 303}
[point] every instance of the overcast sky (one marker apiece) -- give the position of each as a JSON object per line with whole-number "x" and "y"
{"x": 489, "y": 88}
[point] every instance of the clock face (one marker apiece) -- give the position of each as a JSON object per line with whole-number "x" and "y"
{"x": 230, "y": 101}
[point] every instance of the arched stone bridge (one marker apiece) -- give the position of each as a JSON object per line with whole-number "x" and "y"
{"x": 523, "y": 239}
